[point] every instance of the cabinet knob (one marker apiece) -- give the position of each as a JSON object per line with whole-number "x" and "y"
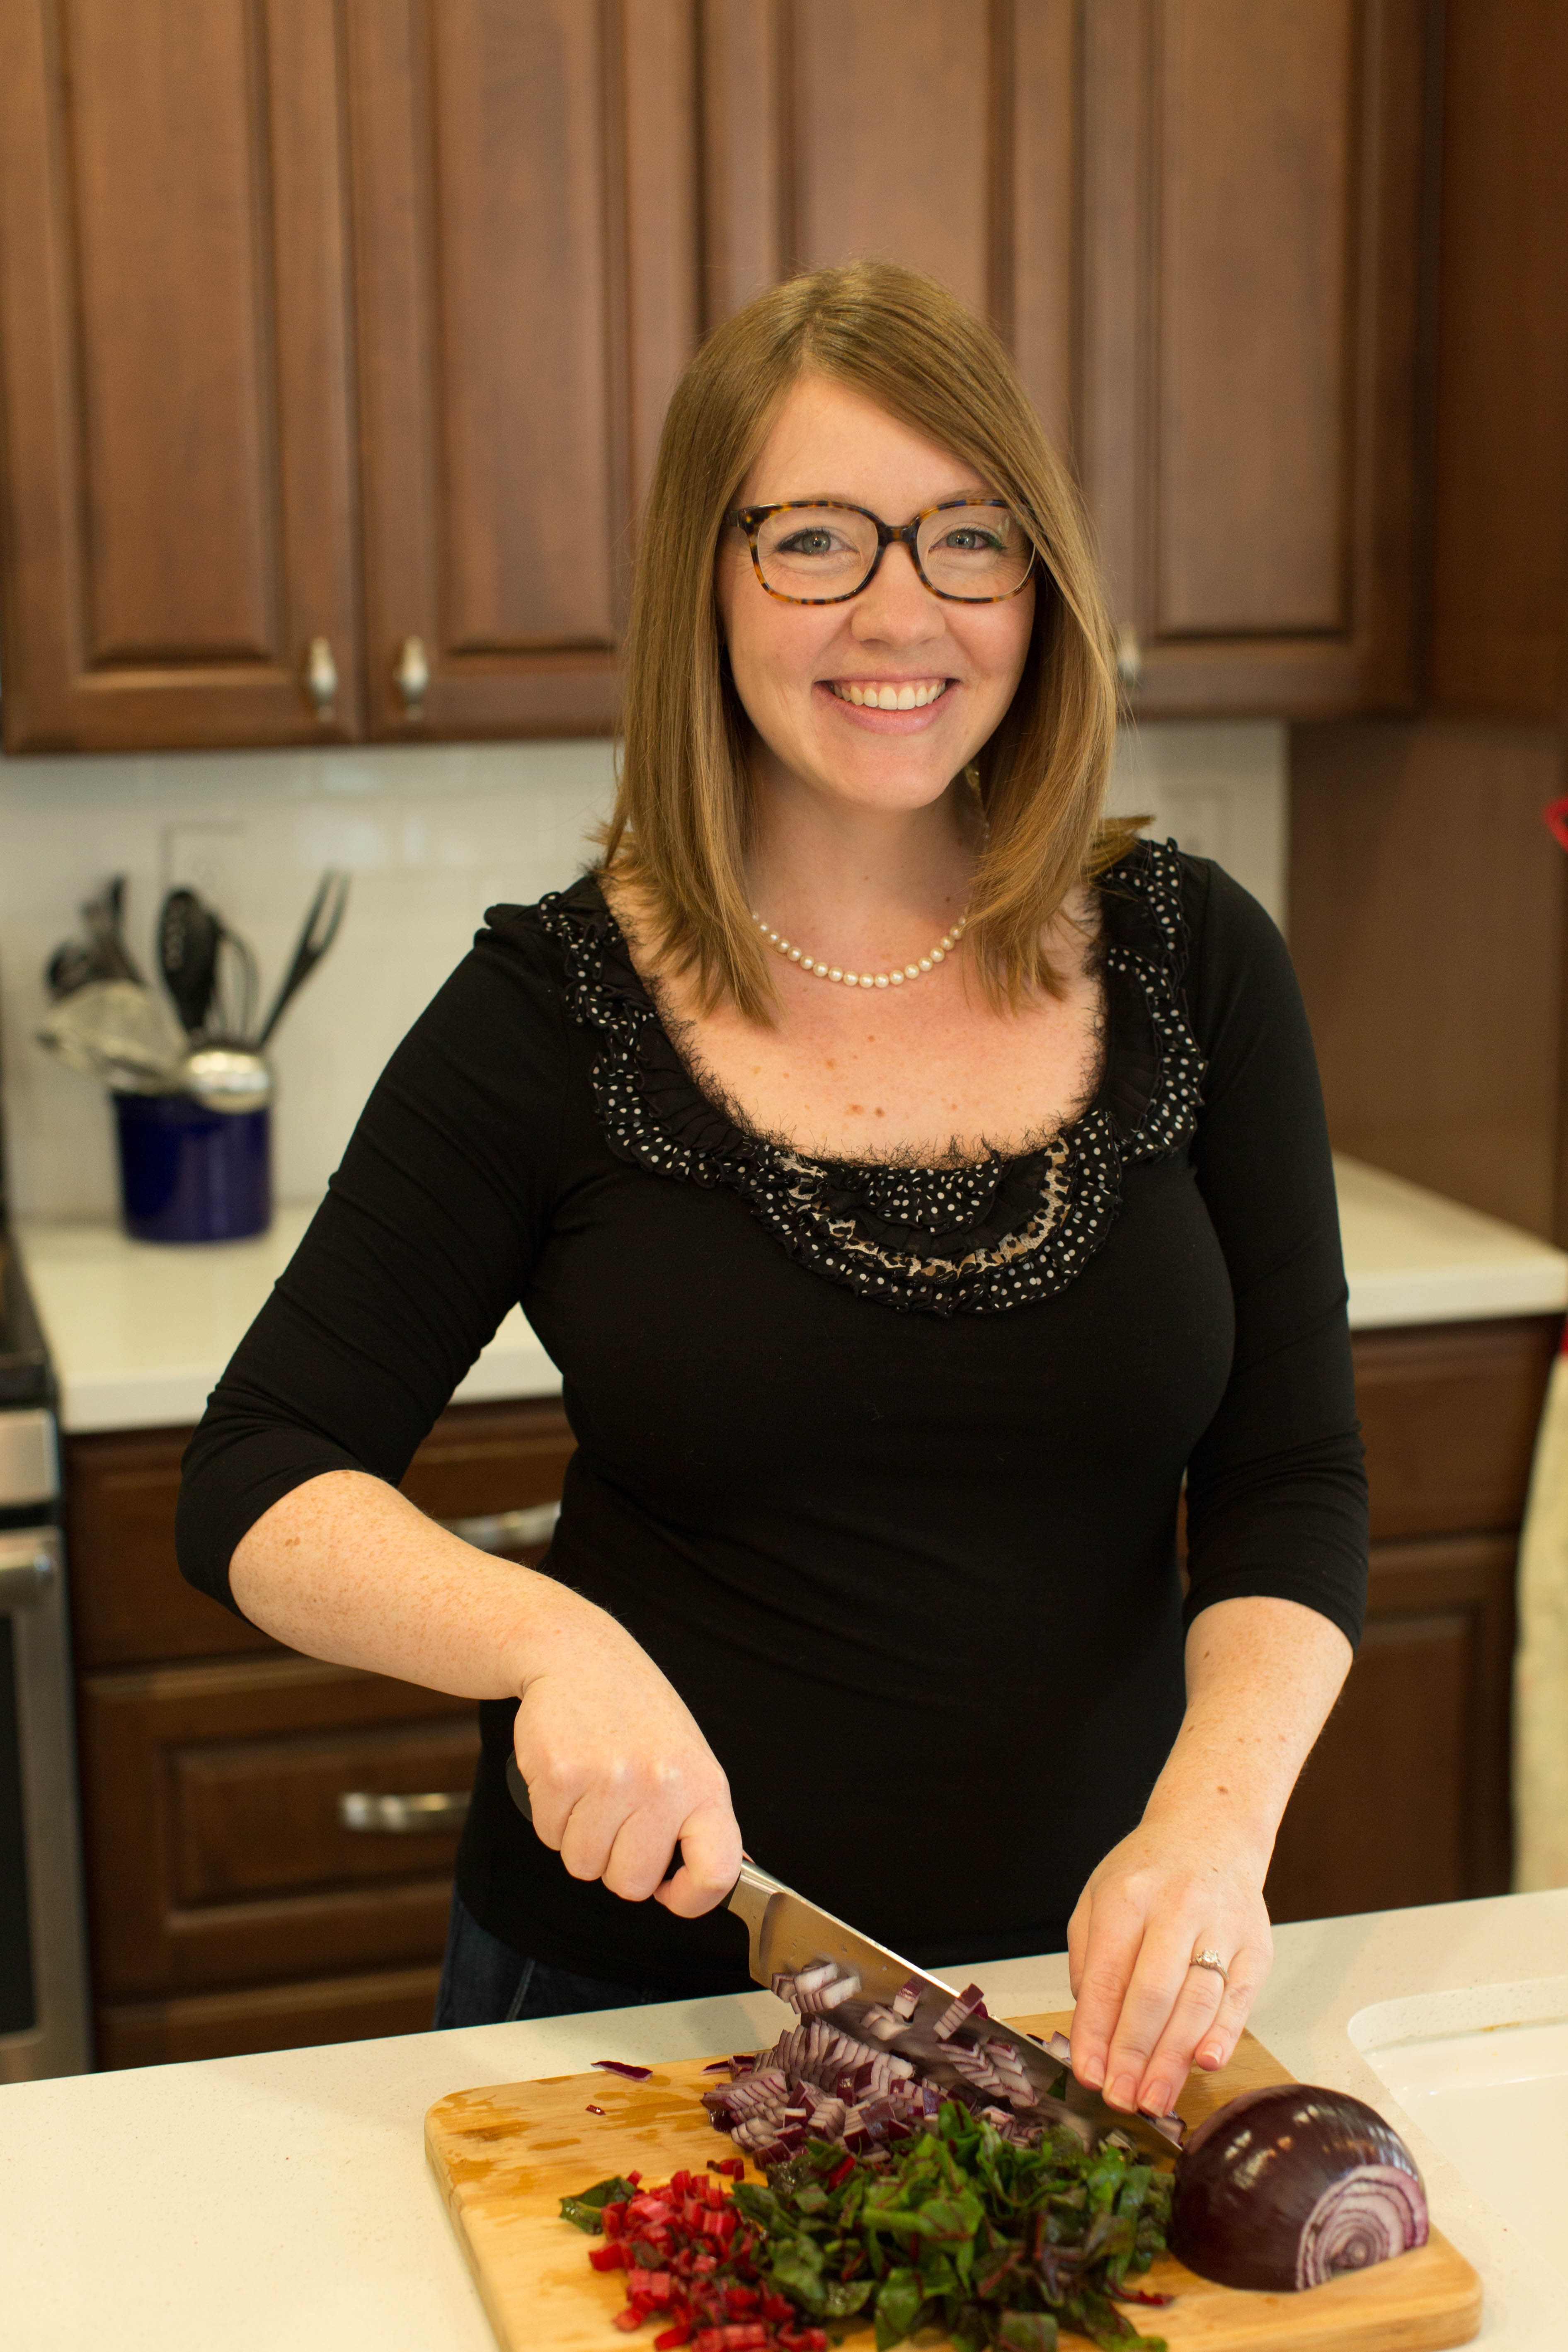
{"x": 1129, "y": 659}
{"x": 413, "y": 677}
{"x": 322, "y": 679}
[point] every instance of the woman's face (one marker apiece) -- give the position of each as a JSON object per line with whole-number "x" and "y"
{"x": 794, "y": 665}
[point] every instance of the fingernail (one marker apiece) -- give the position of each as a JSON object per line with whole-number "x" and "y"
{"x": 1211, "y": 2054}
{"x": 1124, "y": 2091}
{"x": 1157, "y": 2102}
{"x": 1092, "y": 2073}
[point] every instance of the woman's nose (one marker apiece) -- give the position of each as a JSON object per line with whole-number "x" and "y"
{"x": 897, "y": 607}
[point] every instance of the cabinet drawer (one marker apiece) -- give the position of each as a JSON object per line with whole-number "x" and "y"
{"x": 129, "y": 1604}
{"x": 217, "y": 1853}
{"x": 266, "y": 2017}
{"x": 1449, "y": 1413}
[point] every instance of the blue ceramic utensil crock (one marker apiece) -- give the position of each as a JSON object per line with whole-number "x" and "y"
{"x": 190, "y": 1174}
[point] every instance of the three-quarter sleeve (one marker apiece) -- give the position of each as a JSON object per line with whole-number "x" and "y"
{"x": 423, "y": 1244}
{"x": 1276, "y": 1499}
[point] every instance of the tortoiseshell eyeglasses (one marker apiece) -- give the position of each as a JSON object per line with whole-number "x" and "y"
{"x": 823, "y": 550}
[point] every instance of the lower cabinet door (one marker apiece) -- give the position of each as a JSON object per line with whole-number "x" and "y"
{"x": 1406, "y": 1798}
{"x": 267, "y": 1820}
{"x": 266, "y": 2017}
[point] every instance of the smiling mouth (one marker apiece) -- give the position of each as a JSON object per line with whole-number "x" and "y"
{"x": 888, "y": 694}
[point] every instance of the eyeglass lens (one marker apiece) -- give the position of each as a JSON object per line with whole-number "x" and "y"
{"x": 974, "y": 551}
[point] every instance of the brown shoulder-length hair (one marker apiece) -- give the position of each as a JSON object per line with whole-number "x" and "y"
{"x": 677, "y": 836}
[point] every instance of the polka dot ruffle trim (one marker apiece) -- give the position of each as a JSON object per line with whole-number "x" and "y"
{"x": 976, "y": 1239}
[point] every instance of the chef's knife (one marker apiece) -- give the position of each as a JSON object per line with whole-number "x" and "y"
{"x": 787, "y": 1934}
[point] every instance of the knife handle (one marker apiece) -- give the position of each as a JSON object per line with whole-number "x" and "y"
{"x": 516, "y": 1788}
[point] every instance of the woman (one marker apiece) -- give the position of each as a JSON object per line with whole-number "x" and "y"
{"x": 913, "y": 1180}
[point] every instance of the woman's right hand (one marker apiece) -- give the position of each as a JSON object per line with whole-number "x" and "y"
{"x": 617, "y": 1768}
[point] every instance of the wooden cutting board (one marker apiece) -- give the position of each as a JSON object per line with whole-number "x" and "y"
{"x": 505, "y": 2154}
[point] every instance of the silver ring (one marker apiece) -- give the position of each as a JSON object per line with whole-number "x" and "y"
{"x": 1210, "y": 1960}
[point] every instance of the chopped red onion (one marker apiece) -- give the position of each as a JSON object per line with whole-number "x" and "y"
{"x": 970, "y": 2003}
{"x": 618, "y": 2066}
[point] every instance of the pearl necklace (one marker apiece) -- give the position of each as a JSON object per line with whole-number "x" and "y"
{"x": 896, "y": 979}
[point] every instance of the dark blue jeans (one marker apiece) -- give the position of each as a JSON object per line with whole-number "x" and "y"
{"x": 486, "y": 1982}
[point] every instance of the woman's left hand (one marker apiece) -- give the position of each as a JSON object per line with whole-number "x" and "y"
{"x": 1262, "y": 1674}
{"x": 1145, "y": 2013}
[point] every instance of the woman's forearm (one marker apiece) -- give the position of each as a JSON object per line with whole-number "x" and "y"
{"x": 617, "y": 1770}
{"x": 1262, "y": 1675}
{"x": 345, "y": 1568}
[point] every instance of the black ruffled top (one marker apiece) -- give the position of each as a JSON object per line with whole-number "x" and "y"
{"x": 974, "y": 1239}
{"x": 915, "y": 1574}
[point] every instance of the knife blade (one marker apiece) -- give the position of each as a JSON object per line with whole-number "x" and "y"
{"x": 786, "y": 1932}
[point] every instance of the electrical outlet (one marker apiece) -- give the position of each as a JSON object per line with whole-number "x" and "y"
{"x": 206, "y": 854}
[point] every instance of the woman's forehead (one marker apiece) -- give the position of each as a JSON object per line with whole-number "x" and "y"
{"x": 830, "y": 440}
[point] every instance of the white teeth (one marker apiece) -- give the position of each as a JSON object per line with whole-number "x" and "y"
{"x": 890, "y": 698}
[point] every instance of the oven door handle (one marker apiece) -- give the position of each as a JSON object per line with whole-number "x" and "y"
{"x": 29, "y": 1567}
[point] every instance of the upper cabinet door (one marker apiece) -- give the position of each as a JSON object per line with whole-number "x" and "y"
{"x": 526, "y": 241}
{"x": 1500, "y": 597}
{"x": 1251, "y": 203}
{"x": 178, "y": 549}
{"x": 941, "y": 133}
{"x": 1197, "y": 223}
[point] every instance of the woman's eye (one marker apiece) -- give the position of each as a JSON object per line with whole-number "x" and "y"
{"x": 969, "y": 539}
{"x": 812, "y": 541}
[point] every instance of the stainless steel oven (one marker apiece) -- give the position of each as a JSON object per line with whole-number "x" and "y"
{"x": 43, "y": 1973}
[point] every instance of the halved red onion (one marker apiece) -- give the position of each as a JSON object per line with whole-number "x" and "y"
{"x": 1284, "y": 2187}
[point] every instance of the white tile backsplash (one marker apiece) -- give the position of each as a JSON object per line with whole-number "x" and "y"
{"x": 432, "y": 836}
{"x": 1220, "y": 791}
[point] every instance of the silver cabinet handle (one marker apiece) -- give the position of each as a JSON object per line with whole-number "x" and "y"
{"x": 28, "y": 1567}
{"x": 1129, "y": 659}
{"x": 362, "y": 1810}
{"x": 506, "y": 1530}
{"x": 412, "y": 677}
{"x": 322, "y": 679}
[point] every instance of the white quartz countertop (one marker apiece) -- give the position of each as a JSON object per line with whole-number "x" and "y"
{"x": 285, "y": 2201}
{"x": 139, "y": 1331}
{"x": 1411, "y": 1257}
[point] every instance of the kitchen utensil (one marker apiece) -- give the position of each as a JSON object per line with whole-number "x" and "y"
{"x": 786, "y": 1933}
{"x": 118, "y": 1031}
{"x": 226, "y": 1078}
{"x": 506, "y": 2154}
{"x": 70, "y": 967}
{"x": 104, "y": 917}
{"x": 187, "y": 957}
{"x": 320, "y": 929}
{"x": 234, "y": 989}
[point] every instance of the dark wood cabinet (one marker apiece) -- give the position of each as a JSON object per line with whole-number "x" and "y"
{"x": 1198, "y": 223}
{"x": 246, "y": 1888}
{"x": 336, "y": 344}
{"x": 1406, "y": 1798}
{"x": 1499, "y": 597}
{"x": 525, "y": 211}
{"x": 1251, "y": 192}
{"x": 471, "y": 247}
{"x": 177, "y": 463}
{"x": 940, "y": 133}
